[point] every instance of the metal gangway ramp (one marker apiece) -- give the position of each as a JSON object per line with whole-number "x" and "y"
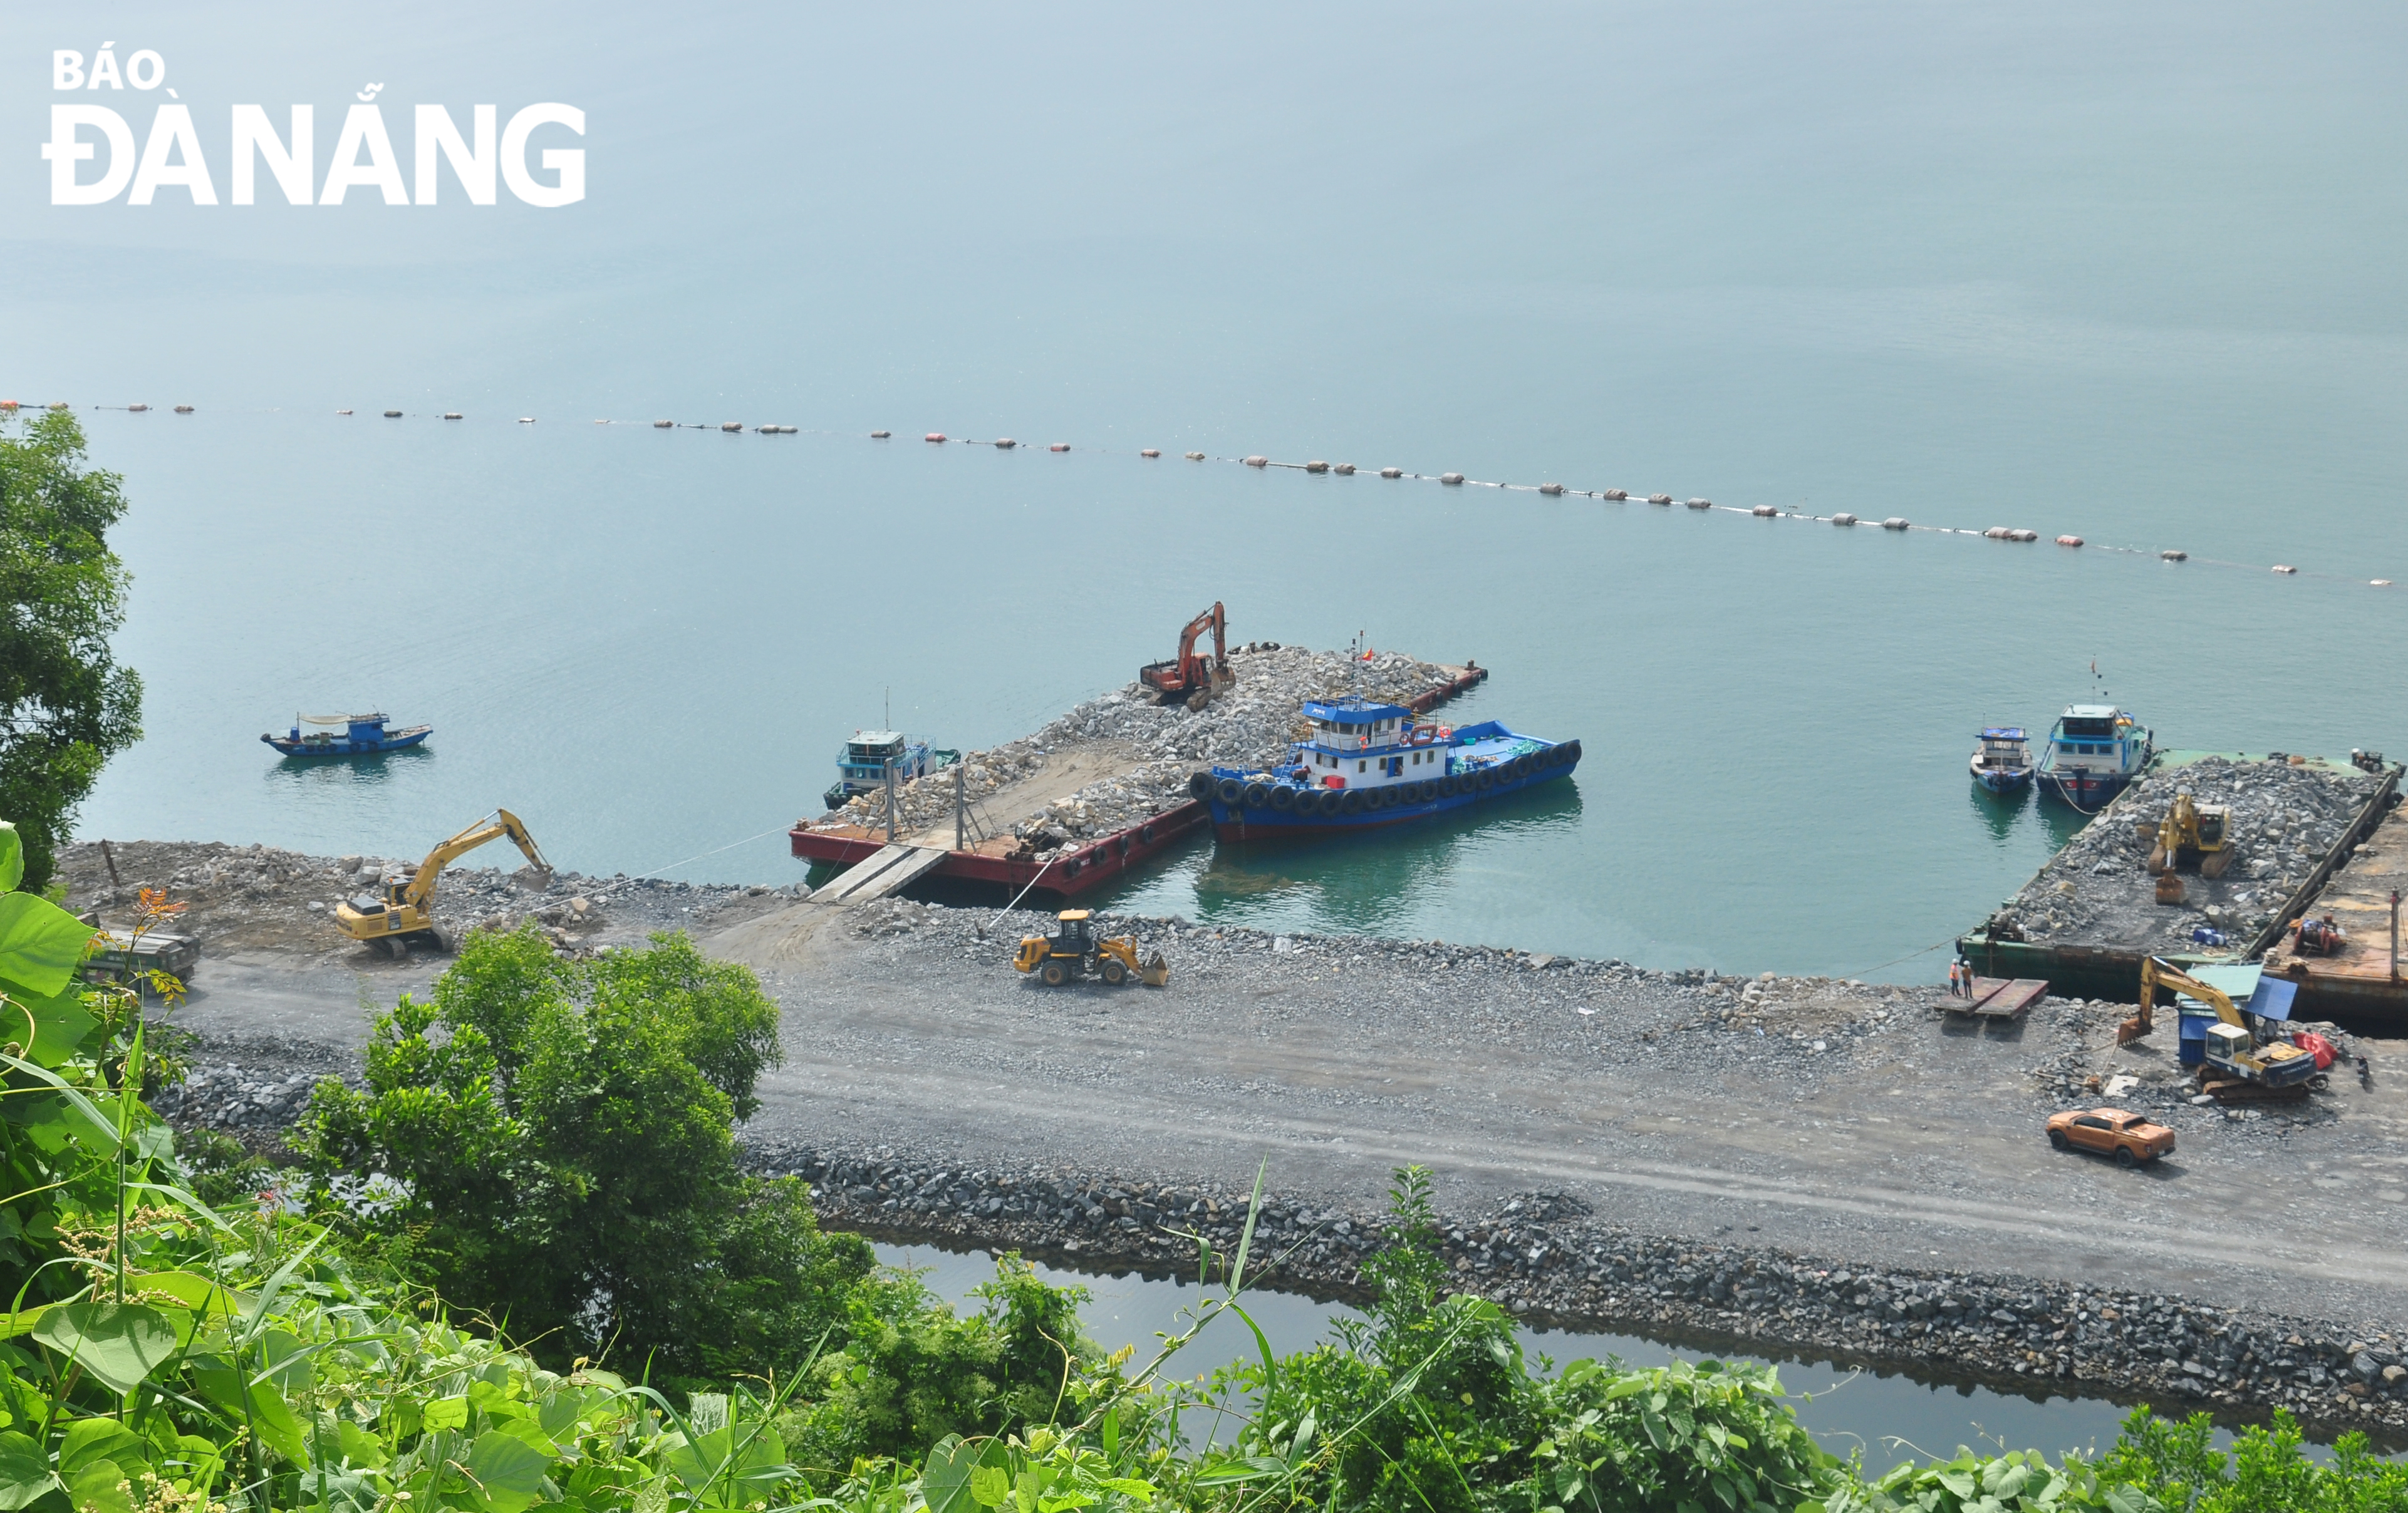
{"x": 880, "y": 874}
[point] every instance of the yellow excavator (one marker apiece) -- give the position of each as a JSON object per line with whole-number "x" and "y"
{"x": 1074, "y": 952}
{"x": 2237, "y": 1067}
{"x": 388, "y": 925}
{"x": 2193, "y": 835}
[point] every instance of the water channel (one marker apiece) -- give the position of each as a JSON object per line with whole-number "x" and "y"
{"x": 1891, "y": 1415}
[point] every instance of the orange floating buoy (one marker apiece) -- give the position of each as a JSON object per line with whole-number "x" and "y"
{"x": 2285, "y": 567}
{"x": 1258, "y": 462}
{"x": 2069, "y": 540}
{"x": 1149, "y": 452}
{"x": 1391, "y": 472}
{"x": 8, "y": 404}
{"x": 879, "y": 435}
{"x": 1059, "y": 446}
{"x": 935, "y": 436}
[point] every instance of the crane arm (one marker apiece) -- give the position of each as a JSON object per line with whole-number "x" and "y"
{"x": 492, "y": 827}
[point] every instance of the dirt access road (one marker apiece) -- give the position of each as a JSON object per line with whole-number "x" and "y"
{"x": 1673, "y": 1104}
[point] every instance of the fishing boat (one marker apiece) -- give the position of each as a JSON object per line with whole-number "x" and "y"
{"x": 2094, "y": 752}
{"x": 344, "y": 735}
{"x": 1369, "y": 764}
{"x": 2002, "y": 761}
{"x": 863, "y": 765}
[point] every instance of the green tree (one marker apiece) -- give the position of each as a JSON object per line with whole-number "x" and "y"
{"x": 566, "y": 1130}
{"x": 65, "y": 706}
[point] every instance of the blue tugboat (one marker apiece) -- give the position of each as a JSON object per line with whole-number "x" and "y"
{"x": 1374, "y": 764}
{"x": 2093, "y": 754}
{"x": 359, "y": 735}
{"x": 2003, "y": 763}
{"x": 863, "y": 763}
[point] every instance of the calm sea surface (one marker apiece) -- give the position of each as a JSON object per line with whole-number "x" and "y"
{"x": 2129, "y": 275}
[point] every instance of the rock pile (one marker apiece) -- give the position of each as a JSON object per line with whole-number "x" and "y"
{"x": 253, "y": 1101}
{"x": 1542, "y": 1256}
{"x": 1248, "y": 724}
{"x": 2285, "y": 820}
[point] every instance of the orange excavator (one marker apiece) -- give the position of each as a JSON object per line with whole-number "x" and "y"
{"x": 1192, "y": 678}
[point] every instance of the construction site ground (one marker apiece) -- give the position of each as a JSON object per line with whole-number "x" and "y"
{"x": 1830, "y": 1117}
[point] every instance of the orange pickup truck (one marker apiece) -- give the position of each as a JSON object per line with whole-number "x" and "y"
{"x": 2130, "y": 1138}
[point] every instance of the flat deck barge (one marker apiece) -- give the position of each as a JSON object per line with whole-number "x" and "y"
{"x": 2362, "y": 981}
{"x": 2085, "y": 920}
{"x": 998, "y": 861}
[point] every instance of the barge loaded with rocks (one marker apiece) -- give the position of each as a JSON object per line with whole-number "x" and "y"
{"x": 2085, "y": 920}
{"x": 1102, "y": 789}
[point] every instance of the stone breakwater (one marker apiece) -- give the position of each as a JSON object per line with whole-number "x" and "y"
{"x": 1250, "y": 723}
{"x": 1545, "y": 1257}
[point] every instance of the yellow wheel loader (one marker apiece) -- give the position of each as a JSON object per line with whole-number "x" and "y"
{"x": 389, "y": 923}
{"x": 1074, "y": 951}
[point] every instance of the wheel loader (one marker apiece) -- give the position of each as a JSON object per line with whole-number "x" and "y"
{"x": 1074, "y": 951}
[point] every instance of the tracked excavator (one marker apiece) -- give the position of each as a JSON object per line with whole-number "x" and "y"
{"x": 2193, "y": 835}
{"x": 2237, "y": 1068}
{"x": 1191, "y": 678}
{"x": 389, "y": 923}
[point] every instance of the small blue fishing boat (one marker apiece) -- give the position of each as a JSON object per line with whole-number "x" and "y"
{"x": 863, "y": 765}
{"x": 2094, "y": 753}
{"x": 1372, "y": 764}
{"x": 359, "y": 736}
{"x": 2003, "y": 762}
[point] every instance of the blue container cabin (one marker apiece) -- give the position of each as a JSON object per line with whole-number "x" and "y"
{"x": 1374, "y": 764}
{"x": 359, "y": 735}
{"x": 2094, "y": 753}
{"x": 862, "y": 765}
{"x": 2002, "y": 761}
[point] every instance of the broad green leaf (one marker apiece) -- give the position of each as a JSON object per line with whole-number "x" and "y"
{"x": 446, "y": 1413}
{"x": 12, "y": 858}
{"x": 98, "y": 1439}
{"x": 60, "y": 1023}
{"x": 268, "y": 1411}
{"x": 509, "y": 1472}
{"x": 41, "y": 943}
{"x": 358, "y": 1445}
{"x": 1959, "y": 1482}
{"x": 193, "y": 1291}
{"x": 24, "y": 1471}
{"x": 101, "y": 1487}
{"x": 990, "y": 1486}
{"x": 945, "y": 1479}
{"x": 118, "y": 1344}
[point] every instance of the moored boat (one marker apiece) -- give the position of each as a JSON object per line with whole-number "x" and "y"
{"x": 1371, "y": 763}
{"x": 2002, "y": 761}
{"x": 863, "y": 765}
{"x": 345, "y": 735}
{"x": 2094, "y": 752}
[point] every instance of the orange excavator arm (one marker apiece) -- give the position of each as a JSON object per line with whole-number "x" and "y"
{"x": 1215, "y": 620}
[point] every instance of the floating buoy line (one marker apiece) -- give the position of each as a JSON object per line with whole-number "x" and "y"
{"x": 2016, "y": 535}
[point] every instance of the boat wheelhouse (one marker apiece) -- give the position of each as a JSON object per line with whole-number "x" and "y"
{"x": 863, "y": 765}
{"x": 345, "y": 735}
{"x": 2094, "y": 752}
{"x": 2002, "y": 761}
{"x": 1372, "y": 764}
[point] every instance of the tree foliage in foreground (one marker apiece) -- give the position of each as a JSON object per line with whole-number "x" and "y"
{"x": 65, "y": 706}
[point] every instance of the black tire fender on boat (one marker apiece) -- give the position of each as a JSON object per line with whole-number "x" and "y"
{"x": 1572, "y": 751}
{"x": 1426, "y": 790}
{"x": 1200, "y": 785}
{"x": 1145, "y": 835}
{"x": 1327, "y": 802}
{"x": 1070, "y": 869}
{"x": 1283, "y": 799}
{"x": 1449, "y": 786}
{"x": 1257, "y": 797}
{"x": 1391, "y": 797}
{"x": 1230, "y": 790}
{"x": 1487, "y": 778}
{"x": 1351, "y": 801}
{"x": 1519, "y": 767}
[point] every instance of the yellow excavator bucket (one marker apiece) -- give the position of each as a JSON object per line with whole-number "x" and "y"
{"x": 1155, "y": 973}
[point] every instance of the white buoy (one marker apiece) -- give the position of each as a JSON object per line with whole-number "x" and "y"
{"x": 1450, "y": 478}
{"x": 1258, "y": 462}
{"x": 1391, "y": 472}
{"x": 1896, "y": 522}
{"x": 1843, "y": 517}
{"x": 1347, "y": 468}
{"x": 2379, "y": 583}
{"x": 879, "y": 435}
{"x": 1765, "y": 511}
{"x": 2019, "y": 533}
{"x": 1551, "y": 488}
{"x": 1149, "y": 452}
{"x": 1996, "y": 533}
{"x": 1701, "y": 504}
{"x": 1059, "y": 446}
{"x": 1316, "y": 467}
{"x": 450, "y": 414}
{"x": 342, "y": 412}
{"x": 1615, "y": 494}
{"x": 396, "y": 415}
{"x": 2069, "y": 540}
{"x": 2175, "y": 556}
{"x": 658, "y": 425}
{"x": 731, "y": 426}
{"x": 1005, "y": 443}
{"x": 1195, "y": 456}
{"x": 2285, "y": 567}
{"x": 180, "y": 409}
{"x": 526, "y": 420}
{"x": 135, "y": 409}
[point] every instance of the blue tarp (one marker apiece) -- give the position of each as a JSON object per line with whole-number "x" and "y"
{"x": 2273, "y": 999}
